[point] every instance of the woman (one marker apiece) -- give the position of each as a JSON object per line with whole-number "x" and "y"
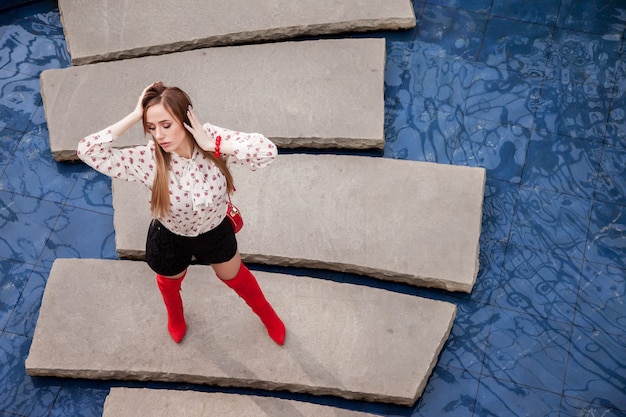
{"x": 185, "y": 166}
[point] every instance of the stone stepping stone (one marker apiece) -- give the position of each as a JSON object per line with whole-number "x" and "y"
{"x": 405, "y": 221}
{"x": 317, "y": 94}
{"x": 104, "y": 319}
{"x": 133, "y": 402}
{"x": 121, "y": 29}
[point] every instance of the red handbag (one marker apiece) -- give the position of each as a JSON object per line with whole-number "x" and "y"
{"x": 234, "y": 215}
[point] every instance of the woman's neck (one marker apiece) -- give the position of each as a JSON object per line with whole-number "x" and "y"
{"x": 186, "y": 151}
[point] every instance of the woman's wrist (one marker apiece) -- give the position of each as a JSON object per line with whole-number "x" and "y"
{"x": 216, "y": 146}
{"x": 136, "y": 116}
{"x": 126, "y": 123}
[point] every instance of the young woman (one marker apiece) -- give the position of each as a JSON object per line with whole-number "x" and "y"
{"x": 185, "y": 166}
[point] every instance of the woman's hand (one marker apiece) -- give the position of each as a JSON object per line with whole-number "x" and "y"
{"x": 118, "y": 128}
{"x": 197, "y": 131}
{"x": 138, "y": 111}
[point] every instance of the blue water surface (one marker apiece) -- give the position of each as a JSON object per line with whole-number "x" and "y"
{"x": 534, "y": 91}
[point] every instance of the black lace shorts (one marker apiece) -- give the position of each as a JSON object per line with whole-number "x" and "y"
{"x": 169, "y": 254}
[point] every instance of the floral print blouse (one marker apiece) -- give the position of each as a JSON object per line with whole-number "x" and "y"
{"x": 197, "y": 186}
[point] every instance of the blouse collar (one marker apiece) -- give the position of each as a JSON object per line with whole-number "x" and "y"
{"x": 192, "y": 181}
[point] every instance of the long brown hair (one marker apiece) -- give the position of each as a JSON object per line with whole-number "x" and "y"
{"x": 176, "y": 102}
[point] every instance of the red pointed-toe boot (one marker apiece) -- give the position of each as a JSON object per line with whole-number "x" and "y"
{"x": 170, "y": 291}
{"x": 247, "y": 287}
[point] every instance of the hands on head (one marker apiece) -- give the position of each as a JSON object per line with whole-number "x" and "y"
{"x": 194, "y": 127}
{"x": 138, "y": 111}
{"x": 197, "y": 131}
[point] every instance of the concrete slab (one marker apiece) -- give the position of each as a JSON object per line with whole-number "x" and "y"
{"x": 326, "y": 93}
{"x": 395, "y": 220}
{"x": 104, "y": 319}
{"x": 120, "y": 29}
{"x": 133, "y": 402}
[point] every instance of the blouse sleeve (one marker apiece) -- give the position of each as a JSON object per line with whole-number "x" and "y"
{"x": 130, "y": 164}
{"x": 251, "y": 149}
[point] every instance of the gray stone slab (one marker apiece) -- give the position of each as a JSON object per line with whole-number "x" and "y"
{"x": 396, "y": 220}
{"x": 325, "y": 93}
{"x": 104, "y": 319}
{"x": 133, "y": 402}
{"x": 119, "y": 29}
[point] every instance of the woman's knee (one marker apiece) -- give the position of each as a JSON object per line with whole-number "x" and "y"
{"x": 229, "y": 269}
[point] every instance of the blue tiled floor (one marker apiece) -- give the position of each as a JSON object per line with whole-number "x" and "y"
{"x": 534, "y": 91}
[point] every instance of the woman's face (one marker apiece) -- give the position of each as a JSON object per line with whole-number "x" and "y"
{"x": 168, "y": 132}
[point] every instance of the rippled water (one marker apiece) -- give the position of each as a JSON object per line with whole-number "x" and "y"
{"x": 534, "y": 91}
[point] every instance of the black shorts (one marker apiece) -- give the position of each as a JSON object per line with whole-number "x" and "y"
{"x": 170, "y": 254}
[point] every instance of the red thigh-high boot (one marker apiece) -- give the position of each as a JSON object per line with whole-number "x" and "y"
{"x": 246, "y": 286}
{"x": 170, "y": 290}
